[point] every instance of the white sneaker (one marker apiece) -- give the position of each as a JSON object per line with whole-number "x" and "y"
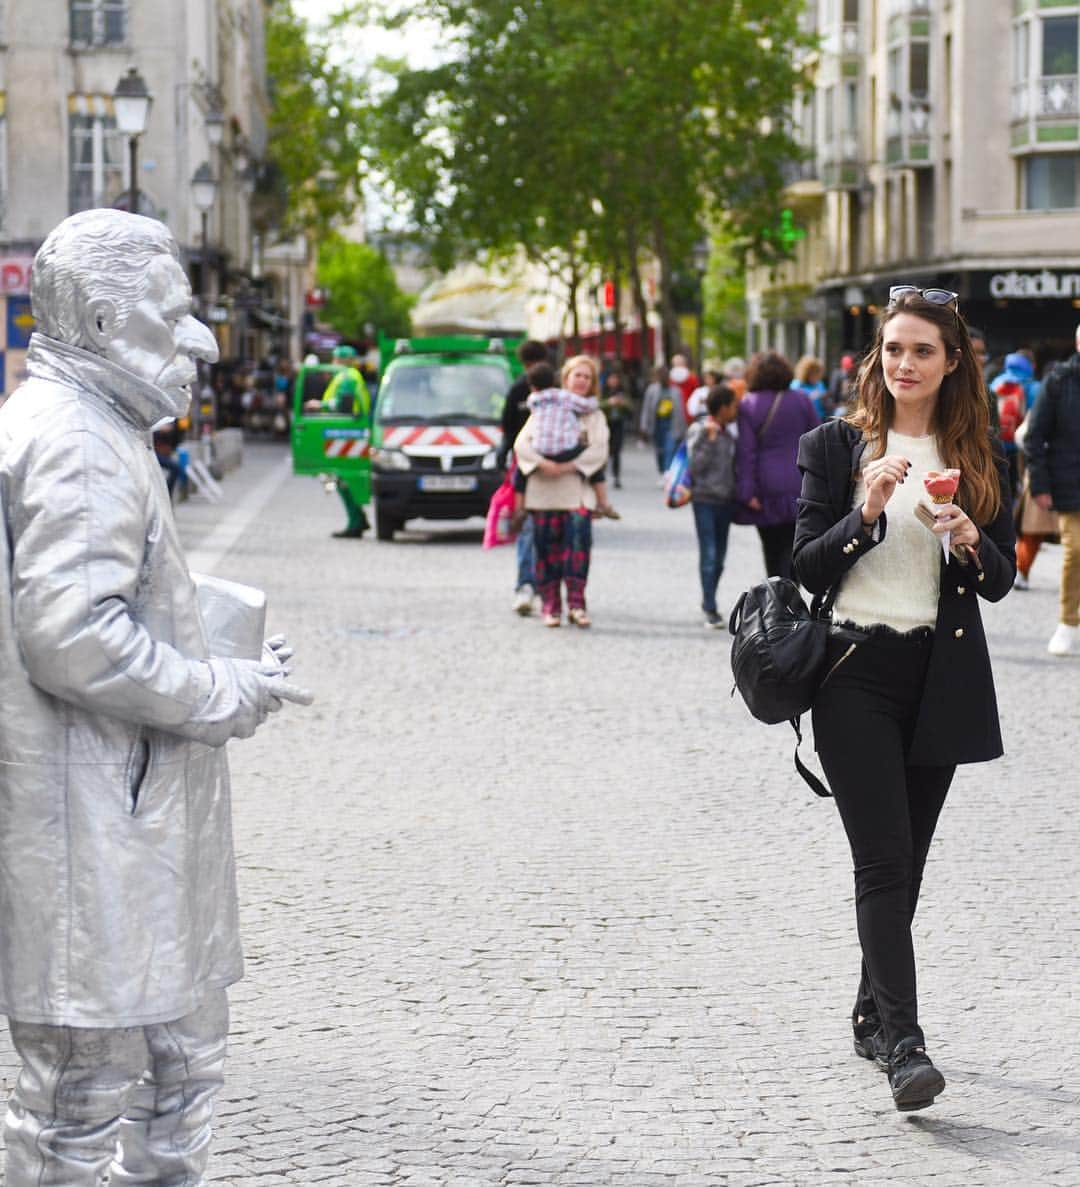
{"x": 1065, "y": 640}
{"x": 523, "y": 601}
{"x": 1020, "y": 581}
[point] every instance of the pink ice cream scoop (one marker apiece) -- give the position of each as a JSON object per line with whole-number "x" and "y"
{"x": 941, "y": 485}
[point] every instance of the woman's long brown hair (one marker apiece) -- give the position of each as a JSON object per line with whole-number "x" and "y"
{"x": 961, "y": 417}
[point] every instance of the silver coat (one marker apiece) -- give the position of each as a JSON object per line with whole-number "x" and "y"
{"x": 117, "y": 884}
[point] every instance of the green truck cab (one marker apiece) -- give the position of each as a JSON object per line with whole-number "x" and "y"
{"x": 331, "y": 434}
{"x": 435, "y": 435}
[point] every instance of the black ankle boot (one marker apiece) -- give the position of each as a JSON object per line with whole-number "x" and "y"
{"x": 869, "y": 1040}
{"x": 912, "y": 1077}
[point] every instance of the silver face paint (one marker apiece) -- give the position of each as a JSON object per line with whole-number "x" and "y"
{"x": 160, "y": 340}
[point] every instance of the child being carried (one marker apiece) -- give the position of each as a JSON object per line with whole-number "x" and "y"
{"x": 557, "y": 433}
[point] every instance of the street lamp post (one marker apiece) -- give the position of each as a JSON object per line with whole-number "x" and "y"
{"x": 131, "y": 105}
{"x": 203, "y": 192}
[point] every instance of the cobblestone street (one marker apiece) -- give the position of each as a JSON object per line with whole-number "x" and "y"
{"x": 524, "y": 906}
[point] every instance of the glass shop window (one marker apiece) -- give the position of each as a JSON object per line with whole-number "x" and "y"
{"x": 99, "y": 22}
{"x": 1050, "y": 181}
{"x": 1059, "y": 44}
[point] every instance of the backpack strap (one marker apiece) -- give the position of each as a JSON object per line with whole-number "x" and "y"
{"x": 773, "y": 408}
{"x": 811, "y": 780}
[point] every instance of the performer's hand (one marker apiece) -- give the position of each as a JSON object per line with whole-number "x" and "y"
{"x": 276, "y": 649}
{"x": 1046, "y": 502}
{"x": 283, "y": 690}
{"x": 262, "y": 689}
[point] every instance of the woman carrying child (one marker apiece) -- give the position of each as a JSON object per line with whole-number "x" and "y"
{"x": 712, "y": 488}
{"x": 913, "y": 695}
{"x": 561, "y": 495}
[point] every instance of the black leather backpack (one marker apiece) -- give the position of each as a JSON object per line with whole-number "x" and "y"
{"x": 778, "y": 656}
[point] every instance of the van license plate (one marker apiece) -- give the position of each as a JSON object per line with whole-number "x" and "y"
{"x": 431, "y": 482}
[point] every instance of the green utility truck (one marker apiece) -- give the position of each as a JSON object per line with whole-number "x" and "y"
{"x": 331, "y": 435}
{"x": 435, "y": 435}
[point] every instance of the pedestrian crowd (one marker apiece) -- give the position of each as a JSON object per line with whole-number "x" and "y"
{"x": 735, "y": 430}
{"x": 733, "y": 435}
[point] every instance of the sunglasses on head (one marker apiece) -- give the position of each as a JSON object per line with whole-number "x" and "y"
{"x": 934, "y": 296}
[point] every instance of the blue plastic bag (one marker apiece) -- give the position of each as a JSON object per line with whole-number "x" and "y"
{"x": 677, "y": 478}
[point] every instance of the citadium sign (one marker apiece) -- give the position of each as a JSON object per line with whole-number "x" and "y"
{"x": 1033, "y": 286}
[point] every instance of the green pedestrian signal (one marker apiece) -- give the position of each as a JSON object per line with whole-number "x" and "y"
{"x": 790, "y": 234}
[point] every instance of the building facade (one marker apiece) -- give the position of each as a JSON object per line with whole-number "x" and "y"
{"x": 942, "y": 144}
{"x": 203, "y": 62}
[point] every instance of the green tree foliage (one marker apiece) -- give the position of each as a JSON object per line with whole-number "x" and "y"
{"x": 316, "y": 127}
{"x": 588, "y": 130}
{"x": 724, "y": 294}
{"x": 361, "y": 290}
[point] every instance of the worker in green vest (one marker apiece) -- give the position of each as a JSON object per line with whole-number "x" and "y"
{"x": 347, "y": 395}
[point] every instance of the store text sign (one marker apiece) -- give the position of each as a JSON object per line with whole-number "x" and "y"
{"x": 1034, "y": 286}
{"x": 15, "y": 275}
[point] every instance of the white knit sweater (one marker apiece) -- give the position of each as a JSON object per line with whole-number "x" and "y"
{"x": 897, "y": 583}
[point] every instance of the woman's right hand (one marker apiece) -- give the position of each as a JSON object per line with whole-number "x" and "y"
{"x": 881, "y": 477}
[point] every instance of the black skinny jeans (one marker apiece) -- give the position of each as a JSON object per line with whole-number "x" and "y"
{"x": 615, "y": 444}
{"x": 864, "y": 719}
{"x": 776, "y": 541}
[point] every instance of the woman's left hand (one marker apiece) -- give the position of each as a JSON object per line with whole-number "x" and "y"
{"x": 954, "y": 520}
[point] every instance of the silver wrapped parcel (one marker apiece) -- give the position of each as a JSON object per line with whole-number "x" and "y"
{"x": 234, "y": 615}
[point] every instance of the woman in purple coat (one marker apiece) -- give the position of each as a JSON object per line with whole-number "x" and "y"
{"x": 772, "y": 418}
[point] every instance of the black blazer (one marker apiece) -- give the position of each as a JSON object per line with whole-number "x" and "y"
{"x": 829, "y": 540}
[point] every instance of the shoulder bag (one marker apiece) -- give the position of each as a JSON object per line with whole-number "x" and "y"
{"x": 779, "y": 655}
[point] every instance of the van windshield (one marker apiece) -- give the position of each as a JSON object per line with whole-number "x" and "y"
{"x": 443, "y": 392}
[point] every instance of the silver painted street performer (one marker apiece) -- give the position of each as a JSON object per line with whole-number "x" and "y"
{"x": 118, "y": 911}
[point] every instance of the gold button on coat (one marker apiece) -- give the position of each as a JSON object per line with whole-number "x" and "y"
{"x": 961, "y": 589}
{"x": 959, "y": 632}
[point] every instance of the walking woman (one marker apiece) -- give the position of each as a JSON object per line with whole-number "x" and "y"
{"x": 617, "y": 407}
{"x": 561, "y": 498}
{"x": 914, "y": 695}
{"x": 772, "y": 418}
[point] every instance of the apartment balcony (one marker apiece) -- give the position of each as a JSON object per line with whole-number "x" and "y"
{"x": 803, "y": 190}
{"x": 1045, "y": 111}
{"x": 907, "y": 134}
{"x": 842, "y": 164}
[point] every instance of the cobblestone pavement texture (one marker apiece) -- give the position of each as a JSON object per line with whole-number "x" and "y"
{"x": 525, "y": 906}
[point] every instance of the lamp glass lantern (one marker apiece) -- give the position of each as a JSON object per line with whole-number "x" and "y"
{"x": 215, "y": 127}
{"x": 131, "y": 104}
{"x": 204, "y": 188}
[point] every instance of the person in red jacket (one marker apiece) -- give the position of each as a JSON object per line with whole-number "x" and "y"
{"x": 683, "y": 377}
